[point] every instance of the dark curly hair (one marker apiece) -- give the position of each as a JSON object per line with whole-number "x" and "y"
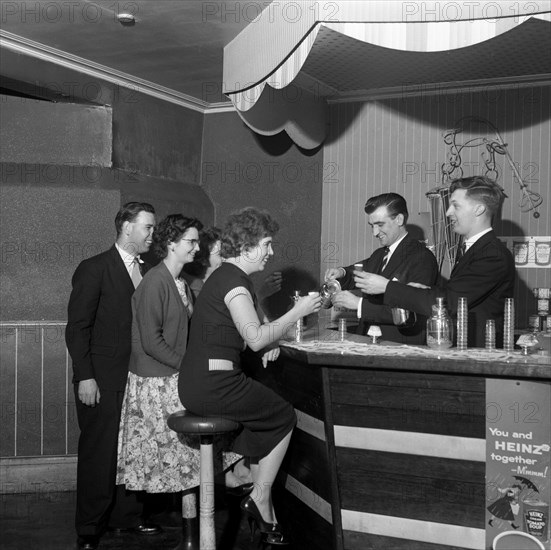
{"x": 245, "y": 229}
{"x": 207, "y": 239}
{"x": 171, "y": 229}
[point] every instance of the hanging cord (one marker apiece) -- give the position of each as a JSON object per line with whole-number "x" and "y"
{"x": 530, "y": 200}
{"x": 446, "y": 241}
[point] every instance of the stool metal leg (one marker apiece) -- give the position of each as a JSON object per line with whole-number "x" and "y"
{"x": 207, "y": 535}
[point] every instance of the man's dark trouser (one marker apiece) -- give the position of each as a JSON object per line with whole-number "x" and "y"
{"x": 99, "y": 501}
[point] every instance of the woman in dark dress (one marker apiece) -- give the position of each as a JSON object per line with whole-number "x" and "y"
{"x": 211, "y": 381}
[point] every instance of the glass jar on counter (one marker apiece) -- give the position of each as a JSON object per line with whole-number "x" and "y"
{"x": 439, "y": 327}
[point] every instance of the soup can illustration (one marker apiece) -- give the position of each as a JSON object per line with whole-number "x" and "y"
{"x": 536, "y": 517}
{"x": 520, "y": 252}
{"x": 542, "y": 293}
{"x": 543, "y": 252}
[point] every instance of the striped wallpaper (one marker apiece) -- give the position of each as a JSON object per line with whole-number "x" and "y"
{"x": 396, "y": 144}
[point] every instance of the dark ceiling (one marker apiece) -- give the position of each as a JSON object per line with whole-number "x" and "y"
{"x": 174, "y": 48}
{"x": 174, "y": 44}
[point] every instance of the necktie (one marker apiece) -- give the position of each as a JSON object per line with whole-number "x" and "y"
{"x": 136, "y": 275}
{"x": 460, "y": 252}
{"x": 385, "y": 258}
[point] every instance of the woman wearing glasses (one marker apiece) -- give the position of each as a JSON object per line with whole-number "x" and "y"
{"x": 151, "y": 457}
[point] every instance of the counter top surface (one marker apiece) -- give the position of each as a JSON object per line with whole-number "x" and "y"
{"x": 325, "y": 348}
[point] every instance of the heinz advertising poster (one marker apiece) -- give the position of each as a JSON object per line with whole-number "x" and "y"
{"x": 518, "y": 487}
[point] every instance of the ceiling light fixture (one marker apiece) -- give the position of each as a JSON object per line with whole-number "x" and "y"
{"x": 126, "y": 19}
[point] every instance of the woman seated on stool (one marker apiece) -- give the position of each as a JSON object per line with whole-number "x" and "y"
{"x": 151, "y": 457}
{"x": 206, "y": 260}
{"x": 211, "y": 381}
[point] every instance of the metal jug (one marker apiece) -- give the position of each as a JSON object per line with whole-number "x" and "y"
{"x": 403, "y": 317}
{"x": 326, "y": 292}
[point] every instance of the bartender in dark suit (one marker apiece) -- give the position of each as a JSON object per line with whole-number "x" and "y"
{"x": 400, "y": 258}
{"x": 98, "y": 337}
{"x": 484, "y": 273}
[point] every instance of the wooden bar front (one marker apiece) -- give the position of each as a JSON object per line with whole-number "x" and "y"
{"x": 389, "y": 450}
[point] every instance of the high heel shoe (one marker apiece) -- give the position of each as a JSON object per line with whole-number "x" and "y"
{"x": 241, "y": 490}
{"x": 271, "y": 532}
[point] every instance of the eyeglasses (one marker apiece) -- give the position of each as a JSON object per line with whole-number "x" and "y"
{"x": 192, "y": 241}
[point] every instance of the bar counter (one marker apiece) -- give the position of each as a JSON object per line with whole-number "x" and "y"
{"x": 390, "y": 446}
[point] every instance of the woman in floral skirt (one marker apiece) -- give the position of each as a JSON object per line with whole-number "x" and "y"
{"x": 151, "y": 457}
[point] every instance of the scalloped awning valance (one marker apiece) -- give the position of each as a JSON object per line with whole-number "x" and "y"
{"x": 281, "y": 70}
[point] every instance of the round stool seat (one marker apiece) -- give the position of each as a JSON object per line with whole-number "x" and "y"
{"x": 187, "y": 422}
{"x": 206, "y": 427}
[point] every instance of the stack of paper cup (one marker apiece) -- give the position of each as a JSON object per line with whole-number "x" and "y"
{"x": 462, "y": 315}
{"x": 490, "y": 335}
{"x": 299, "y": 325}
{"x": 342, "y": 330}
{"x": 509, "y": 326}
{"x": 299, "y": 329}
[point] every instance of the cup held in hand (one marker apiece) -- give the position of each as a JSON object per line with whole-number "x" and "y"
{"x": 403, "y": 317}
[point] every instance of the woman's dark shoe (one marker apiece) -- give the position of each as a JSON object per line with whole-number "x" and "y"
{"x": 144, "y": 528}
{"x": 240, "y": 490}
{"x": 271, "y": 532}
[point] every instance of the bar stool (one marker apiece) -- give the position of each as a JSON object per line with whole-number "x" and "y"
{"x": 188, "y": 423}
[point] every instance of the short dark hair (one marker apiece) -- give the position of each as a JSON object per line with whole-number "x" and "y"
{"x": 245, "y": 229}
{"x": 171, "y": 229}
{"x": 129, "y": 212}
{"x": 395, "y": 204}
{"x": 482, "y": 189}
{"x": 207, "y": 239}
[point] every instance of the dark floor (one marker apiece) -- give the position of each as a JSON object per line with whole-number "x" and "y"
{"x": 45, "y": 521}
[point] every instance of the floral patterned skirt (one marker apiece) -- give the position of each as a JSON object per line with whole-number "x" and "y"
{"x": 152, "y": 457}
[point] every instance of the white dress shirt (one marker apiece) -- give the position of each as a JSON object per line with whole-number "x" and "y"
{"x": 128, "y": 259}
{"x": 473, "y": 239}
{"x": 391, "y": 250}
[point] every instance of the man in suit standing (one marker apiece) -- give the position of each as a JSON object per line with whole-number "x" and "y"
{"x": 484, "y": 274}
{"x": 400, "y": 258}
{"x": 98, "y": 337}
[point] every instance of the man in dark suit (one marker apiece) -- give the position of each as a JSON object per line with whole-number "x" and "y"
{"x": 484, "y": 274}
{"x": 98, "y": 337}
{"x": 400, "y": 258}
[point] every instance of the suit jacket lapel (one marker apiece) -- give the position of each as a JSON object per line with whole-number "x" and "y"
{"x": 374, "y": 262}
{"x": 121, "y": 272}
{"x": 396, "y": 260}
{"x": 478, "y": 245}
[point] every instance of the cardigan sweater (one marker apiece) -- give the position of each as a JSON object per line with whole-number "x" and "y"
{"x": 159, "y": 325}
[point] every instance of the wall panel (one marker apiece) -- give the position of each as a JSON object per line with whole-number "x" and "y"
{"x": 38, "y": 414}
